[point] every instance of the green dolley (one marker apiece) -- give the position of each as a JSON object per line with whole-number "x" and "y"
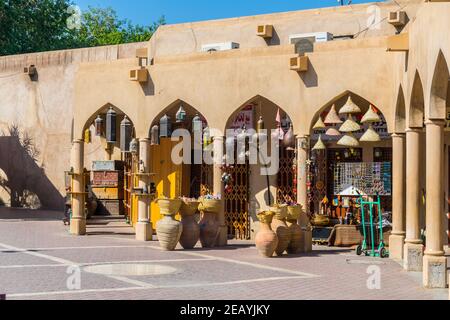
{"x": 374, "y": 250}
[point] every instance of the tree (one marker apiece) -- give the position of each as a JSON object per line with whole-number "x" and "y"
{"x": 41, "y": 25}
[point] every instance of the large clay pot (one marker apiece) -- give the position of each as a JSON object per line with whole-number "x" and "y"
{"x": 280, "y": 227}
{"x": 295, "y": 245}
{"x": 168, "y": 229}
{"x": 191, "y": 229}
{"x": 266, "y": 240}
{"x": 209, "y": 226}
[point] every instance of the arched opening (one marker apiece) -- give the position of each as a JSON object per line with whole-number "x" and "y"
{"x": 267, "y": 187}
{"x": 189, "y": 177}
{"x": 400, "y": 112}
{"x": 350, "y": 155}
{"x": 107, "y": 136}
{"x": 417, "y": 107}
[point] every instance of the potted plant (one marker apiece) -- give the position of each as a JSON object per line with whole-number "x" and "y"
{"x": 210, "y": 206}
{"x": 168, "y": 229}
{"x": 191, "y": 229}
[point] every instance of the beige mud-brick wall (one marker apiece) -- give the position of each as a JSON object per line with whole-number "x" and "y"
{"x": 43, "y": 109}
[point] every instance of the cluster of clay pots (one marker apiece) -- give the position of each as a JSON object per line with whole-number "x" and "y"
{"x": 187, "y": 232}
{"x": 279, "y": 231}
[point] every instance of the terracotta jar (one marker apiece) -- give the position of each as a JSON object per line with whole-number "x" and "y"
{"x": 191, "y": 229}
{"x": 266, "y": 240}
{"x": 295, "y": 245}
{"x": 209, "y": 226}
{"x": 168, "y": 229}
{"x": 280, "y": 227}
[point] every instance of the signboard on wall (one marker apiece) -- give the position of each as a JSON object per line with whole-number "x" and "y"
{"x": 243, "y": 118}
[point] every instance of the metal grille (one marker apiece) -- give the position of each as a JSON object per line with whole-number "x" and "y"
{"x": 287, "y": 176}
{"x": 236, "y": 203}
{"x": 206, "y": 183}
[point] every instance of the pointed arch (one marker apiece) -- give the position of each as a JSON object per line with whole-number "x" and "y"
{"x": 439, "y": 89}
{"x": 400, "y": 112}
{"x": 103, "y": 110}
{"x": 417, "y": 105}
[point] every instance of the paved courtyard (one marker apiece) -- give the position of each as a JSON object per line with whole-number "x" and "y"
{"x": 40, "y": 260}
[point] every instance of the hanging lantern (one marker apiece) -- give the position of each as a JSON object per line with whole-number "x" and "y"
{"x": 206, "y": 137}
{"x": 319, "y": 145}
{"x": 289, "y": 138}
{"x": 126, "y": 132}
{"x": 332, "y": 132}
{"x": 181, "y": 115}
{"x": 111, "y": 116}
{"x": 332, "y": 116}
{"x": 99, "y": 126}
{"x": 260, "y": 125}
{"x": 350, "y": 107}
{"x": 87, "y": 136}
{"x": 154, "y": 136}
{"x": 348, "y": 141}
{"x": 319, "y": 124}
{"x": 371, "y": 116}
{"x": 165, "y": 127}
{"x": 370, "y": 135}
{"x": 350, "y": 125}
{"x": 134, "y": 146}
{"x": 197, "y": 124}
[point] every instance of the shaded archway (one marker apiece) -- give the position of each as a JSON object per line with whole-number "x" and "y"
{"x": 417, "y": 106}
{"x": 439, "y": 89}
{"x": 400, "y": 112}
{"x": 267, "y": 186}
{"x": 342, "y": 143}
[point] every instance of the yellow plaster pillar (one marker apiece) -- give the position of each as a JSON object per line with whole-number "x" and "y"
{"x": 396, "y": 240}
{"x": 413, "y": 249}
{"x": 218, "y": 188}
{"x": 434, "y": 261}
{"x": 144, "y": 231}
{"x": 78, "y": 220}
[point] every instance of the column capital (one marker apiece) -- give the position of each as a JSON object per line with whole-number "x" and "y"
{"x": 416, "y": 129}
{"x": 78, "y": 141}
{"x": 218, "y": 138}
{"x": 436, "y": 122}
{"x": 398, "y": 135}
{"x": 145, "y": 140}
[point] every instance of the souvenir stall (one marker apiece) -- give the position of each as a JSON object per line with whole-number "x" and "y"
{"x": 351, "y": 157}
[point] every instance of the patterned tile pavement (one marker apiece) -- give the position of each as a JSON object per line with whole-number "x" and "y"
{"x": 37, "y": 259}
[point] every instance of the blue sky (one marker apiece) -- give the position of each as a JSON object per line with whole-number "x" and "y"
{"x": 178, "y": 11}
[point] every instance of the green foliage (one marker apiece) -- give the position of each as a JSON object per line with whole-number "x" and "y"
{"x": 41, "y": 25}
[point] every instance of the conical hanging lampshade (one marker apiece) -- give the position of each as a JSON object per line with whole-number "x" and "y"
{"x": 319, "y": 124}
{"x": 370, "y": 136}
{"x": 332, "y": 116}
{"x": 333, "y": 132}
{"x": 348, "y": 141}
{"x": 371, "y": 116}
{"x": 350, "y": 107}
{"x": 319, "y": 145}
{"x": 350, "y": 125}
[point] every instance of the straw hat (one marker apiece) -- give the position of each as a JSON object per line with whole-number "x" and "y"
{"x": 319, "y": 124}
{"x": 333, "y": 117}
{"x": 350, "y": 107}
{"x": 332, "y": 132}
{"x": 370, "y": 136}
{"x": 319, "y": 145}
{"x": 348, "y": 141}
{"x": 371, "y": 116}
{"x": 350, "y": 125}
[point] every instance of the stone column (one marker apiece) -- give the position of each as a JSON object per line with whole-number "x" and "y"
{"x": 302, "y": 197}
{"x": 144, "y": 230}
{"x": 218, "y": 188}
{"x": 78, "y": 220}
{"x": 396, "y": 240}
{"x": 434, "y": 261}
{"x": 413, "y": 249}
